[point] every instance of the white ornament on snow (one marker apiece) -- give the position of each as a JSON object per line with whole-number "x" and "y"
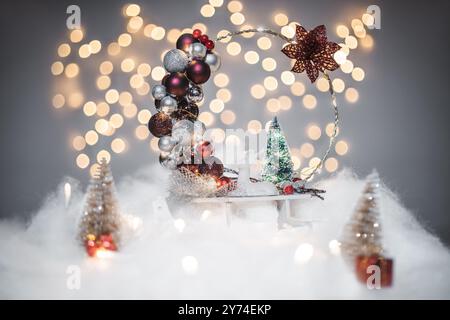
{"x": 247, "y": 188}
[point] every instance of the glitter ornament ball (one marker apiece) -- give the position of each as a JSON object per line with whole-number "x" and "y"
{"x": 160, "y": 124}
{"x": 177, "y": 84}
{"x": 168, "y": 105}
{"x": 175, "y": 60}
{"x": 198, "y": 71}
{"x": 159, "y": 92}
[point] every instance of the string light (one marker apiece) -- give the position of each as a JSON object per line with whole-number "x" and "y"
{"x": 78, "y": 143}
{"x": 132, "y": 10}
{"x": 358, "y": 74}
{"x": 352, "y": 95}
{"x": 103, "y": 154}
{"x": 158, "y": 33}
{"x": 233, "y": 48}
{"x": 57, "y": 68}
{"x": 102, "y": 109}
{"x": 247, "y": 34}
{"x": 224, "y": 95}
{"x": 125, "y": 98}
{"x": 95, "y": 46}
{"x": 341, "y": 147}
{"x": 103, "y": 82}
{"x": 338, "y": 85}
{"x": 64, "y": 50}
{"x": 287, "y": 77}
{"x": 273, "y": 105}
{"x": 281, "y": 19}
{"x": 269, "y": 64}
{"x": 113, "y": 49}
{"x": 207, "y": 10}
{"x": 221, "y": 80}
{"x": 257, "y": 91}
{"x": 322, "y": 85}
{"x": 91, "y": 137}
{"x": 58, "y": 101}
{"x": 314, "y": 132}
{"x": 254, "y": 126}
{"x": 331, "y": 164}
{"x": 82, "y": 161}
{"x": 158, "y": 73}
{"x": 216, "y": 105}
{"x": 237, "y": 18}
{"x": 309, "y": 101}
{"x": 285, "y": 102}
{"x": 71, "y": 70}
{"x": 141, "y": 132}
{"x": 298, "y": 89}
{"x": 342, "y": 31}
{"x": 228, "y": 117}
{"x": 112, "y": 96}
{"x": 127, "y": 65}
{"x": 234, "y": 6}
{"x": 116, "y": 121}
{"x": 90, "y": 108}
{"x": 75, "y": 100}
{"x": 307, "y": 150}
{"x": 124, "y": 40}
{"x": 118, "y": 145}
{"x": 144, "y": 116}
{"x": 251, "y": 57}
{"x": 76, "y": 35}
{"x": 264, "y": 43}
{"x": 270, "y": 83}
{"x": 206, "y": 117}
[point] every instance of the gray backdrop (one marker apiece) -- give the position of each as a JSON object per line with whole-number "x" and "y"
{"x": 399, "y": 125}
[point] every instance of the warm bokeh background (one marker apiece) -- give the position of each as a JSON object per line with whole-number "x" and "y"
{"x": 399, "y": 124}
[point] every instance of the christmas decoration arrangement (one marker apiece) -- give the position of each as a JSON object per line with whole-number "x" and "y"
{"x": 195, "y": 171}
{"x": 361, "y": 244}
{"x": 100, "y": 225}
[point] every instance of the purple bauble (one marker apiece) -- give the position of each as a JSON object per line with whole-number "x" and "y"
{"x": 198, "y": 71}
{"x": 164, "y": 79}
{"x": 177, "y": 84}
{"x": 184, "y": 41}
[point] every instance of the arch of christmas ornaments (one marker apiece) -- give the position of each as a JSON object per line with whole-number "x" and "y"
{"x": 180, "y": 134}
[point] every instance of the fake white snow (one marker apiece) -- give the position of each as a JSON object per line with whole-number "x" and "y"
{"x": 196, "y": 256}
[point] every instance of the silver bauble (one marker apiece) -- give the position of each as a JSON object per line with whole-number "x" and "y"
{"x": 199, "y": 128}
{"x": 194, "y": 93}
{"x": 213, "y": 60}
{"x": 159, "y": 92}
{"x": 166, "y": 143}
{"x": 197, "y": 50}
{"x": 167, "y": 161}
{"x": 175, "y": 60}
{"x": 168, "y": 105}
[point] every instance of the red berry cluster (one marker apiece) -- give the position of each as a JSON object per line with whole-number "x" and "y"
{"x": 203, "y": 38}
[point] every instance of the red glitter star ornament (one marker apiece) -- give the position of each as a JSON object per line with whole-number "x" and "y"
{"x": 312, "y": 52}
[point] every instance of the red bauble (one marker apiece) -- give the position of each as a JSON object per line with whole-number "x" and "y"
{"x": 184, "y": 41}
{"x": 177, "y": 84}
{"x": 198, "y": 71}
{"x": 212, "y": 166}
{"x": 289, "y": 189}
{"x": 205, "y": 149}
{"x": 160, "y": 124}
{"x": 223, "y": 181}
{"x": 204, "y": 39}
{"x": 209, "y": 45}
{"x": 197, "y": 33}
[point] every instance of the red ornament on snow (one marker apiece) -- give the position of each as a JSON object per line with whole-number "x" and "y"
{"x": 197, "y": 33}
{"x": 209, "y": 45}
{"x": 223, "y": 181}
{"x": 289, "y": 189}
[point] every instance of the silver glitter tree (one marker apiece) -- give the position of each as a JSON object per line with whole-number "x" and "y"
{"x": 362, "y": 234}
{"x": 101, "y": 218}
